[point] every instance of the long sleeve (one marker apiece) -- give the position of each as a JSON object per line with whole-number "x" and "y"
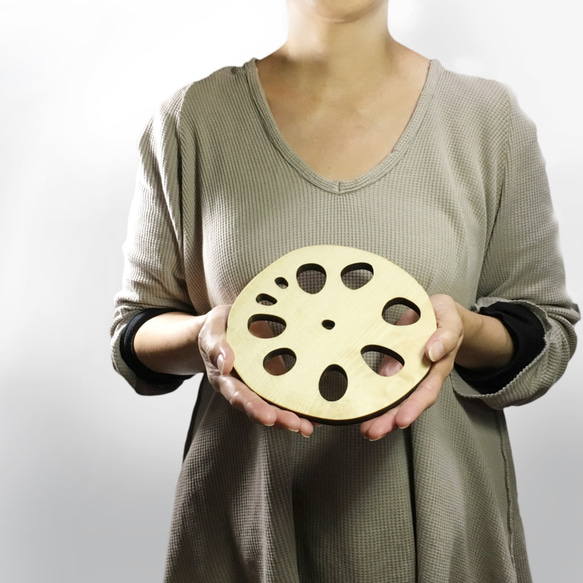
{"x": 523, "y": 264}
{"x": 154, "y": 266}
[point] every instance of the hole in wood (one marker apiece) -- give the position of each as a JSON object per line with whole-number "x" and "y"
{"x": 311, "y": 278}
{"x": 266, "y": 300}
{"x": 328, "y": 324}
{"x": 401, "y": 312}
{"x": 357, "y": 275}
{"x": 333, "y": 383}
{"x": 382, "y": 360}
{"x": 265, "y": 325}
{"x": 279, "y": 361}
{"x": 281, "y": 282}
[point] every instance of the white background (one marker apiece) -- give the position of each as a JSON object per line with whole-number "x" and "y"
{"x": 88, "y": 468}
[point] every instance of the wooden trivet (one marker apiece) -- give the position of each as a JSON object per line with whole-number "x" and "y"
{"x": 306, "y": 330}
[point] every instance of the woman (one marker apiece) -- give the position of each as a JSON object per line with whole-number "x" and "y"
{"x": 343, "y": 136}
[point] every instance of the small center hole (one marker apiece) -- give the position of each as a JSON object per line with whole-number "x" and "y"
{"x": 328, "y": 324}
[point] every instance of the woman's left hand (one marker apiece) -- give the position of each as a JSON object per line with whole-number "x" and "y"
{"x": 441, "y": 349}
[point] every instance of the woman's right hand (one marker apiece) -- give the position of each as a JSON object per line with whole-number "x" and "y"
{"x": 219, "y": 359}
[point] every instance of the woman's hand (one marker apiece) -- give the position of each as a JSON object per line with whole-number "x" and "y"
{"x": 168, "y": 343}
{"x": 441, "y": 349}
{"x": 218, "y": 360}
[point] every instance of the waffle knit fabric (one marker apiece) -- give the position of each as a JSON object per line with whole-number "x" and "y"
{"x": 462, "y": 204}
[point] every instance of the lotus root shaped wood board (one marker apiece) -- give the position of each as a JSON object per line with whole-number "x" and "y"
{"x": 309, "y": 332}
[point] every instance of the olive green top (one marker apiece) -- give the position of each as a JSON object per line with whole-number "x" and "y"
{"x": 462, "y": 204}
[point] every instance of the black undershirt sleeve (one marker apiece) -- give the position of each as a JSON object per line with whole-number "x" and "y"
{"x": 168, "y": 381}
{"x": 528, "y": 335}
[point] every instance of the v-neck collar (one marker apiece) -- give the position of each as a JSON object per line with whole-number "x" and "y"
{"x": 342, "y": 186}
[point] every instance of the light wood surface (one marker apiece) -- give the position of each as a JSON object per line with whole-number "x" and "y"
{"x": 319, "y": 308}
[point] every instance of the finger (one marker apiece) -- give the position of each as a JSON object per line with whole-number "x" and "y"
{"x": 212, "y": 343}
{"x": 244, "y": 399}
{"x": 275, "y": 366}
{"x": 306, "y": 427}
{"x": 435, "y": 349}
{"x": 262, "y": 328}
{"x": 449, "y": 334}
{"x": 424, "y": 396}
{"x": 289, "y": 420}
{"x": 408, "y": 318}
{"x": 379, "y": 427}
{"x": 389, "y": 366}
{"x": 285, "y": 419}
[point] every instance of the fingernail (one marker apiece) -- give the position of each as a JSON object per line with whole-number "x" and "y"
{"x": 306, "y": 436}
{"x": 436, "y": 351}
{"x": 221, "y": 364}
{"x": 293, "y": 430}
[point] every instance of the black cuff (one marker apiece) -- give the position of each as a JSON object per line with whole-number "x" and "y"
{"x": 168, "y": 382}
{"x": 528, "y": 335}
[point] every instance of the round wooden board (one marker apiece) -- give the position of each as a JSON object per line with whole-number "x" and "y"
{"x": 306, "y": 331}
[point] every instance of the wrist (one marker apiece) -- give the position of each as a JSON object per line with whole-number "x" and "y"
{"x": 486, "y": 343}
{"x": 168, "y": 343}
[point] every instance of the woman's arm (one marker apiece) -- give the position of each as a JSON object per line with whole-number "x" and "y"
{"x": 181, "y": 344}
{"x": 486, "y": 343}
{"x": 168, "y": 343}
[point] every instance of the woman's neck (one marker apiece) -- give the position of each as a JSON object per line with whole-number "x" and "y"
{"x": 328, "y": 50}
